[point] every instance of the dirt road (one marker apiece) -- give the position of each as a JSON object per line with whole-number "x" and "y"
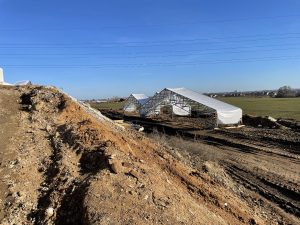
{"x": 263, "y": 162}
{"x": 268, "y": 170}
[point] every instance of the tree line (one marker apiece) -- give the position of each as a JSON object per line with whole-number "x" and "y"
{"x": 287, "y": 92}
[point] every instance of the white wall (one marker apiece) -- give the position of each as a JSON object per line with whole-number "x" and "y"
{"x": 181, "y": 110}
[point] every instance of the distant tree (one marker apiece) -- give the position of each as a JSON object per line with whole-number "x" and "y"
{"x": 285, "y": 91}
{"x": 114, "y": 99}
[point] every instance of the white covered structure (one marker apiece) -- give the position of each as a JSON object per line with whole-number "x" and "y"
{"x": 23, "y": 83}
{"x": 2, "y": 82}
{"x": 186, "y": 102}
{"x": 1, "y": 76}
{"x": 20, "y": 83}
{"x": 134, "y": 102}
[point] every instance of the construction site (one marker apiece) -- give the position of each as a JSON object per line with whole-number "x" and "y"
{"x": 149, "y": 112}
{"x": 63, "y": 162}
{"x": 176, "y": 103}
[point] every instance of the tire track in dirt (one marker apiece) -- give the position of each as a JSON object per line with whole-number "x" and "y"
{"x": 285, "y": 198}
{"x": 252, "y": 166}
{"x": 284, "y": 193}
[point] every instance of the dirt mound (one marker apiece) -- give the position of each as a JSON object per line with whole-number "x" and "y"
{"x": 262, "y": 122}
{"x": 293, "y": 124}
{"x": 71, "y": 165}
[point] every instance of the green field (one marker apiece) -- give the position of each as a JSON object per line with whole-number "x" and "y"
{"x": 108, "y": 105}
{"x": 288, "y": 108}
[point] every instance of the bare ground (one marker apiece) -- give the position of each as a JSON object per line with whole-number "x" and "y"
{"x": 264, "y": 163}
{"x": 65, "y": 164}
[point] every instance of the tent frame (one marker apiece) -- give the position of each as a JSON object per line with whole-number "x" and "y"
{"x": 132, "y": 100}
{"x": 167, "y": 97}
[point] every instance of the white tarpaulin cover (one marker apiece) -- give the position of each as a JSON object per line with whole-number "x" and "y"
{"x": 1, "y": 76}
{"x": 22, "y": 83}
{"x": 181, "y": 110}
{"x": 135, "y": 101}
{"x": 141, "y": 98}
{"x": 130, "y": 107}
{"x": 2, "y": 82}
{"x": 227, "y": 114}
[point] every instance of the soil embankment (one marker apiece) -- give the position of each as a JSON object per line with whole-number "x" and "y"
{"x": 262, "y": 159}
{"x": 74, "y": 166}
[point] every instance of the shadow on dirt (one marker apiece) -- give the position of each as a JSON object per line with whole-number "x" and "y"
{"x": 62, "y": 191}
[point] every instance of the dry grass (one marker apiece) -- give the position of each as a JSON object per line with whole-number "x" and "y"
{"x": 187, "y": 147}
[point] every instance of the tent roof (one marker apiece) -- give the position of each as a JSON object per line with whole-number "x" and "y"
{"x": 142, "y": 98}
{"x": 24, "y": 82}
{"x": 204, "y": 100}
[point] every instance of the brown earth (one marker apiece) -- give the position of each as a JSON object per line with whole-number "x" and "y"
{"x": 263, "y": 160}
{"x": 264, "y": 163}
{"x": 63, "y": 163}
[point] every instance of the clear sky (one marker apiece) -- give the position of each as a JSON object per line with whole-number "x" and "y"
{"x": 97, "y": 48}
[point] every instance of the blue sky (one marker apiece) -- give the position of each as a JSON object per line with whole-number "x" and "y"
{"x": 95, "y": 49}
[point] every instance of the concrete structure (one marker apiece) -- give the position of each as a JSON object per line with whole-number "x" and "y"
{"x": 134, "y": 102}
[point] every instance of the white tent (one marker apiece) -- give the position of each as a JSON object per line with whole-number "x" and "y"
{"x": 23, "y": 83}
{"x": 134, "y": 102}
{"x": 227, "y": 114}
{"x": 141, "y": 98}
{"x": 184, "y": 102}
{"x": 181, "y": 110}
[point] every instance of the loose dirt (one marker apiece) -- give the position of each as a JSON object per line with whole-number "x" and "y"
{"x": 262, "y": 159}
{"x": 264, "y": 163}
{"x": 9, "y": 125}
{"x": 64, "y": 163}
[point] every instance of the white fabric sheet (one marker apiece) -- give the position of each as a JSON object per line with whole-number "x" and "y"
{"x": 227, "y": 114}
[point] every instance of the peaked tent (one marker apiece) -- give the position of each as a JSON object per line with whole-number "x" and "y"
{"x": 23, "y": 83}
{"x": 141, "y": 98}
{"x": 183, "y": 98}
{"x": 226, "y": 113}
{"x": 134, "y": 102}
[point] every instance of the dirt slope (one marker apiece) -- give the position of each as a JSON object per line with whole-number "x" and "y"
{"x": 8, "y": 127}
{"x": 71, "y": 165}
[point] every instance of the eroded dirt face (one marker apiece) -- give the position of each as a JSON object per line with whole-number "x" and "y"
{"x": 8, "y": 127}
{"x": 76, "y": 167}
